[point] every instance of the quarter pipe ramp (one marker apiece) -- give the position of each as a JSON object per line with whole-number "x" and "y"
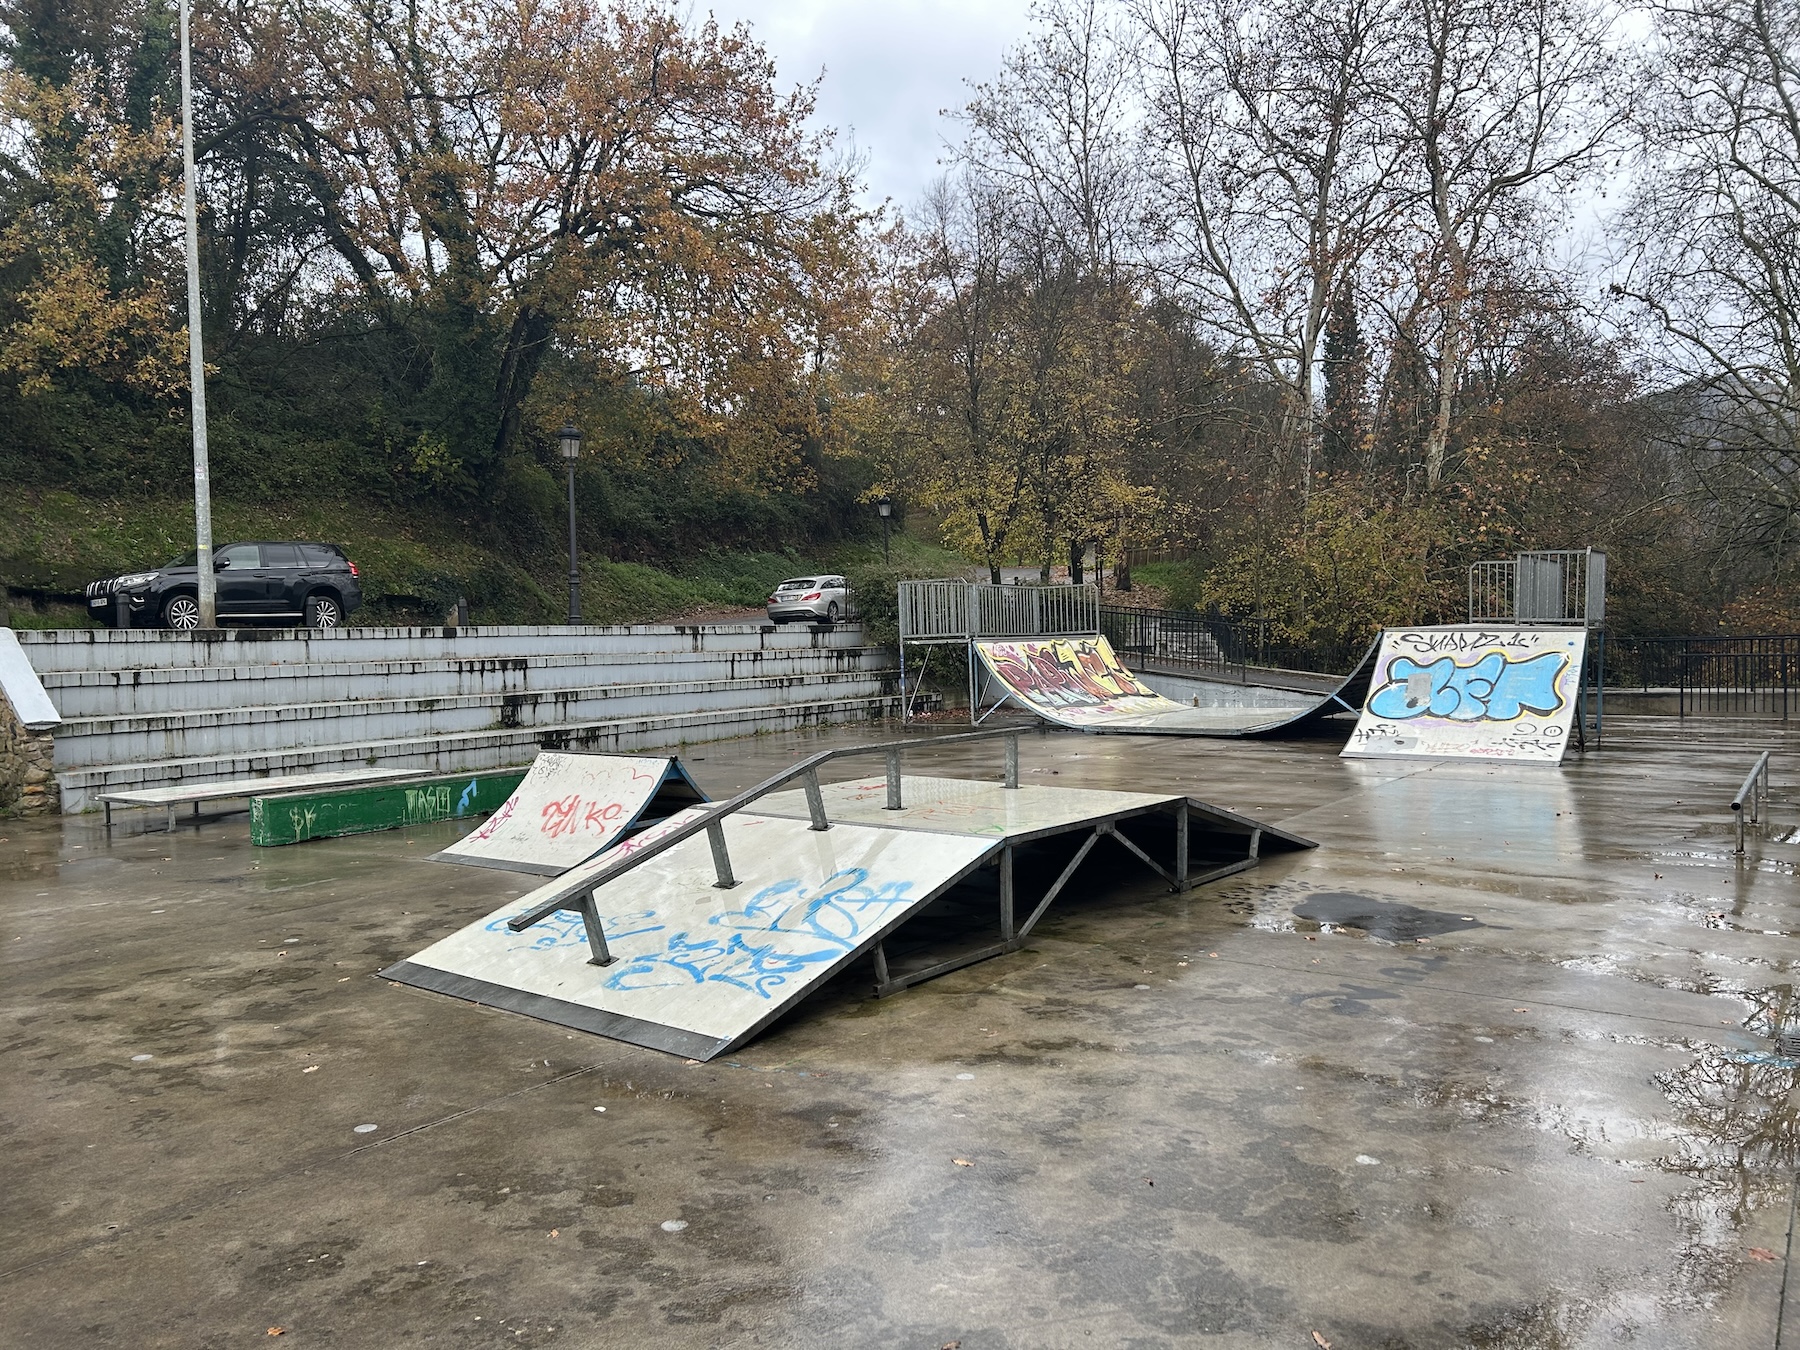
{"x": 570, "y": 807}
{"x": 1080, "y": 683}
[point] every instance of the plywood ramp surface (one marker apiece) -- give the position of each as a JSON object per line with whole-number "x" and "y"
{"x": 700, "y": 969}
{"x": 569, "y": 808}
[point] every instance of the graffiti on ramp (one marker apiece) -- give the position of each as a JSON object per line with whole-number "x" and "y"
{"x": 1472, "y": 692}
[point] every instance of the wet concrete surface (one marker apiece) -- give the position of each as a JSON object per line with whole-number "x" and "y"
{"x": 1209, "y": 1120}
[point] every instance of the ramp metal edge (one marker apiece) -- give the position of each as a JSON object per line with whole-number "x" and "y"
{"x": 650, "y": 1035}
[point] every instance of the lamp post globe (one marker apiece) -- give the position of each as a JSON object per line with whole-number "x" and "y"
{"x": 568, "y": 440}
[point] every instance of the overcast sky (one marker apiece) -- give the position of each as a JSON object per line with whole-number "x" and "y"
{"x": 890, "y": 67}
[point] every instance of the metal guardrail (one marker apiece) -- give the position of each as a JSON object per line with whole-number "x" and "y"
{"x": 1751, "y": 675}
{"x": 1180, "y": 637}
{"x": 966, "y": 611}
{"x": 577, "y": 897}
{"x": 1755, "y": 793}
{"x": 1551, "y": 586}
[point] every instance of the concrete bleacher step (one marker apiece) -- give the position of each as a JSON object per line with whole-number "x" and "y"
{"x": 485, "y": 749}
{"x": 103, "y": 693}
{"x": 83, "y": 742}
{"x": 144, "y": 709}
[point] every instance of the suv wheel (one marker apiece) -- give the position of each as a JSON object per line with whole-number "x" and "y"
{"x": 323, "y": 611}
{"x": 831, "y": 612}
{"x": 182, "y": 612}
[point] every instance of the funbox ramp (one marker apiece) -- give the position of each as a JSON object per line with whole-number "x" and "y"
{"x": 1080, "y": 683}
{"x": 1472, "y": 693}
{"x": 698, "y": 970}
{"x": 569, "y": 807}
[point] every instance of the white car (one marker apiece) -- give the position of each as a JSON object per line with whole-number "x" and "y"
{"x": 811, "y": 600}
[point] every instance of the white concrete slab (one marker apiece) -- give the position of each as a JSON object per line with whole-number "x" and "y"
{"x": 569, "y": 808}
{"x": 20, "y": 686}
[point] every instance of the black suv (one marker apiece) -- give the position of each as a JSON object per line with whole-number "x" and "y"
{"x": 314, "y": 583}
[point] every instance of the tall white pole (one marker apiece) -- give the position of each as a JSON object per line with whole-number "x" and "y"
{"x": 209, "y": 617}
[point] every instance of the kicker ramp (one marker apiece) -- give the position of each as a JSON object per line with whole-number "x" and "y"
{"x": 698, "y": 970}
{"x": 1080, "y": 683}
{"x": 1472, "y": 693}
{"x": 570, "y": 807}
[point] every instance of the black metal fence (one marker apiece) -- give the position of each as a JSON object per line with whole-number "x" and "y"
{"x": 1207, "y": 642}
{"x": 1752, "y": 676}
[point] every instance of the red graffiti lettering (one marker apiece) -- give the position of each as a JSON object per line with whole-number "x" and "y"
{"x": 559, "y": 816}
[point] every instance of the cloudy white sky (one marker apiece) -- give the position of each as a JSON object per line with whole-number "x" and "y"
{"x": 890, "y": 67}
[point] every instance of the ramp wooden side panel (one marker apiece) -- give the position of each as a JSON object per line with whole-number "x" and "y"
{"x": 700, "y": 969}
{"x": 570, "y": 807}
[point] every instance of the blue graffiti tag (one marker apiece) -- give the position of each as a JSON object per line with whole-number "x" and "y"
{"x": 1492, "y": 689}
{"x": 463, "y": 802}
{"x": 564, "y": 929}
{"x": 819, "y": 927}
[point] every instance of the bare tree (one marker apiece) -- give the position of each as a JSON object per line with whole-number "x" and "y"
{"x": 1495, "y": 101}
{"x": 1713, "y": 257}
{"x": 1271, "y": 175}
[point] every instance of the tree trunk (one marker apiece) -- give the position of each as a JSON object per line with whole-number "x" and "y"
{"x": 1077, "y": 549}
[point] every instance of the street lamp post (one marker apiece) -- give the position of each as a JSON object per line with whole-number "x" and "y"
{"x": 885, "y": 505}
{"x": 203, "y": 559}
{"x": 569, "y": 439}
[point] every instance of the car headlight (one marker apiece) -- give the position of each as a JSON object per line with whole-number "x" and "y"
{"x": 125, "y": 583}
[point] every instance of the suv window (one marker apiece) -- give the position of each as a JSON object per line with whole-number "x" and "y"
{"x": 280, "y": 555}
{"x": 241, "y": 556}
{"x": 320, "y": 555}
{"x": 803, "y": 584}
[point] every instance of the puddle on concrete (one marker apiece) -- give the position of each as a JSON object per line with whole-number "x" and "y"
{"x": 1388, "y": 920}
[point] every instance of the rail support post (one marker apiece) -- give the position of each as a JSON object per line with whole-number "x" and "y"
{"x": 715, "y": 836}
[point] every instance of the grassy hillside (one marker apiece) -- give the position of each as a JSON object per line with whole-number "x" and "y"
{"x": 414, "y": 566}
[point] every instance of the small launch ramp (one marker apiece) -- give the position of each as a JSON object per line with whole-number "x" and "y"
{"x": 1080, "y": 683}
{"x": 569, "y": 807}
{"x": 696, "y": 934}
{"x": 1472, "y": 693}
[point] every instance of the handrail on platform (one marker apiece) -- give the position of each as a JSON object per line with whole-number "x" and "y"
{"x": 578, "y": 896}
{"x": 1756, "y": 791}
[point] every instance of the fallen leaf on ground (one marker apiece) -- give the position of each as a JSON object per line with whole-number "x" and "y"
{"x": 1320, "y": 1341}
{"x": 1520, "y": 1010}
{"x": 276, "y": 1331}
{"x": 555, "y": 1232}
{"x": 951, "y": 1345}
{"x": 962, "y": 1162}
{"x": 1761, "y": 1254}
{"x": 310, "y": 1068}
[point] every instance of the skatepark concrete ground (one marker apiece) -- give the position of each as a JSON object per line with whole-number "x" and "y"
{"x": 1171, "y": 1121}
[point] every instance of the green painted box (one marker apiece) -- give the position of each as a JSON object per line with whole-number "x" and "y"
{"x": 297, "y": 817}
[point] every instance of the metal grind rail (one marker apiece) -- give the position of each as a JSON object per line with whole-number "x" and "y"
{"x": 1754, "y": 794}
{"x": 578, "y": 898}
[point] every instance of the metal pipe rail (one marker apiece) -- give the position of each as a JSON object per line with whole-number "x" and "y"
{"x": 577, "y": 897}
{"x": 1755, "y": 791}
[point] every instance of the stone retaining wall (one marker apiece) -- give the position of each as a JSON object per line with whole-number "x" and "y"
{"x": 27, "y": 784}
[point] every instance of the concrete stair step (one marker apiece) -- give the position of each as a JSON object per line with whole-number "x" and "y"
{"x": 487, "y": 749}
{"x": 121, "y": 740}
{"x": 90, "y": 694}
{"x": 71, "y": 649}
